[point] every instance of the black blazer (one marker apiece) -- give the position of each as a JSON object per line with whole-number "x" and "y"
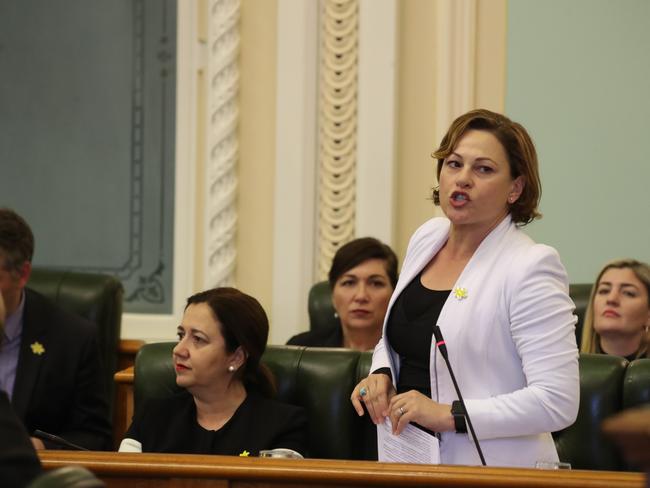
{"x": 59, "y": 385}
{"x": 170, "y": 425}
{"x": 18, "y": 461}
{"x": 330, "y": 337}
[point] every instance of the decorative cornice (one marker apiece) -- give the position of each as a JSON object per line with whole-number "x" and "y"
{"x": 220, "y": 185}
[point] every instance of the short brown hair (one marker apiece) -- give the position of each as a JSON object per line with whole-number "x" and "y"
{"x": 359, "y": 250}
{"x": 522, "y": 157}
{"x": 16, "y": 240}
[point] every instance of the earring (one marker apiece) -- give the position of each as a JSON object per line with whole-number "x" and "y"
{"x": 231, "y": 368}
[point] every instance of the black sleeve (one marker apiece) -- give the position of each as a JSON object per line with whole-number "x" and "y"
{"x": 134, "y": 430}
{"x": 18, "y": 461}
{"x": 295, "y": 340}
{"x": 385, "y": 371}
{"x": 293, "y": 432}
{"x": 88, "y": 423}
{"x": 308, "y": 339}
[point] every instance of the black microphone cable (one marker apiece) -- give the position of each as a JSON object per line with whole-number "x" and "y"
{"x": 440, "y": 342}
{"x": 46, "y": 436}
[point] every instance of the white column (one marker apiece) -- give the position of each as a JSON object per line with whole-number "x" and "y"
{"x": 376, "y": 119}
{"x": 294, "y": 213}
{"x": 455, "y": 25}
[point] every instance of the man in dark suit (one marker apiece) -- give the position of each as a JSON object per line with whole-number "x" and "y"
{"x": 50, "y": 365}
{"x": 18, "y": 461}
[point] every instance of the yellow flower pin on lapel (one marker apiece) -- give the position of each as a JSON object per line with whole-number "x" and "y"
{"x": 460, "y": 293}
{"x": 37, "y": 348}
{"x": 244, "y": 453}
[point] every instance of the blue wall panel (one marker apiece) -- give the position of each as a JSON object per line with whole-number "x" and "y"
{"x": 87, "y": 125}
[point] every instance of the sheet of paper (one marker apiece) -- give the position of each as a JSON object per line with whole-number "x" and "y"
{"x": 413, "y": 445}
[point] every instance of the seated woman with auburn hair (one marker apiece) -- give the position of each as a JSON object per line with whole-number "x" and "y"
{"x": 362, "y": 278}
{"x": 618, "y": 315}
{"x": 226, "y": 404}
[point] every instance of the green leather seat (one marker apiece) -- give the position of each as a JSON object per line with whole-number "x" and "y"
{"x": 601, "y": 392}
{"x": 321, "y": 380}
{"x": 579, "y": 293}
{"x": 319, "y": 305}
{"x": 67, "y": 477}
{"x": 636, "y": 385}
{"x": 318, "y": 379}
{"x": 322, "y": 313}
{"x": 96, "y": 297}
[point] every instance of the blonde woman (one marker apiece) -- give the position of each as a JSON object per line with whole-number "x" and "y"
{"x": 618, "y": 314}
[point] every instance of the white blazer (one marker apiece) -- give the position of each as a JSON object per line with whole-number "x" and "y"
{"x": 509, "y": 328}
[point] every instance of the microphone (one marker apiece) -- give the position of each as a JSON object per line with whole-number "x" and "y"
{"x": 46, "y": 436}
{"x": 440, "y": 343}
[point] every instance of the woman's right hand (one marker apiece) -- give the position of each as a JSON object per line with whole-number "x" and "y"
{"x": 375, "y": 391}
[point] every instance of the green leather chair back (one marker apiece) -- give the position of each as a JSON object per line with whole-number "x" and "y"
{"x": 322, "y": 313}
{"x": 67, "y": 477}
{"x": 579, "y": 293}
{"x": 319, "y": 305}
{"x": 154, "y": 375}
{"x": 96, "y": 297}
{"x": 636, "y": 385}
{"x": 321, "y": 380}
{"x": 601, "y": 390}
{"x": 636, "y": 390}
{"x": 318, "y": 379}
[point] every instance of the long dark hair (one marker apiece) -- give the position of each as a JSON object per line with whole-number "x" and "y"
{"x": 243, "y": 323}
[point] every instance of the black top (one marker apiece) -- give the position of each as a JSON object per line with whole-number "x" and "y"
{"x": 170, "y": 425}
{"x": 410, "y": 333}
{"x": 329, "y": 337}
{"x": 18, "y": 461}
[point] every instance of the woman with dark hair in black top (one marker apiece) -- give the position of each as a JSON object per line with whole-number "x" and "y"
{"x": 226, "y": 406}
{"x": 362, "y": 278}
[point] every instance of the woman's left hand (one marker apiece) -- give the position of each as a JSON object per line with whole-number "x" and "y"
{"x": 413, "y": 406}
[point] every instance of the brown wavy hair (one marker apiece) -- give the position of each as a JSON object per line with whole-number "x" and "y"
{"x": 518, "y": 145}
{"x": 359, "y": 250}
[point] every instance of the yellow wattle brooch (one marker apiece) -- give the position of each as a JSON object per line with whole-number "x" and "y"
{"x": 37, "y": 348}
{"x": 245, "y": 453}
{"x": 460, "y": 293}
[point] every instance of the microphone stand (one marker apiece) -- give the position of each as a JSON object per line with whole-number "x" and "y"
{"x": 440, "y": 342}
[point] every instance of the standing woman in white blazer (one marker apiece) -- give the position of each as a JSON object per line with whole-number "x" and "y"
{"x": 500, "y": 300}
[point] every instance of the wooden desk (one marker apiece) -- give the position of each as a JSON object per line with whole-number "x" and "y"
{"x": 123, "y": 399}
{"x": 123, "y": 410}
{"x": 127, "y": 470}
